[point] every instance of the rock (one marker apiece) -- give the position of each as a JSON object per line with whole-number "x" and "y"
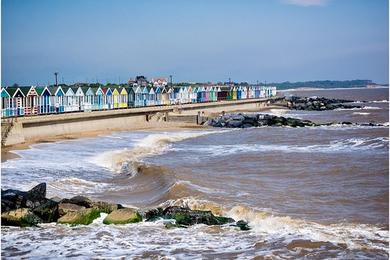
{"x": 64, "y": 208}
{"x": 243, "y": 225}
{"x": 246, "y": 125}
{"x": 123, "y": 216}
{"x": 106, "y": 207}
{"x": 153, "y": 214}
{"x": 22, "y": 217}
{"x": 81, "y": 217}
{"x": 187, "y": 217}
{"x": 38, "y": 192}
{"x": 48, "y": 212}
{"x": 14, "y": 199}
{"x": 234, "y": 124}
{"x": 79, "y": 200}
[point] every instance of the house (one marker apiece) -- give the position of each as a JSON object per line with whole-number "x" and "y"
{"x": 162, "y": 82}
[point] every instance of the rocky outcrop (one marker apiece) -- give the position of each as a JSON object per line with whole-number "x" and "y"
{"x": 123, "y": 216}
{"x": 318, "y": 103}
{"x": 31, "y": 208}
{"x": 254, "y": 120}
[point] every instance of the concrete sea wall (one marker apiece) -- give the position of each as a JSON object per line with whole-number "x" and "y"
{"x": 25, "y": 129}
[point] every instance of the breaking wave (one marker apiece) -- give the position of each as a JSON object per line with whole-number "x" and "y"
{"x": 275, "y": 227}
{"x": 127, "y": 161}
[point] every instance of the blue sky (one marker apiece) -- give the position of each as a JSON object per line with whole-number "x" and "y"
{"x": 268, "y": 40}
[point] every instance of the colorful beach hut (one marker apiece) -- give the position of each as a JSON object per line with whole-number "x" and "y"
{"x": 44, "y": 104}
{"x": 57, "y": 98}
{"x": 123, "y": 97}
{"x": 18, "y": 101}
{"x": 5, "y": 103}
{"x": 107, "y": 98}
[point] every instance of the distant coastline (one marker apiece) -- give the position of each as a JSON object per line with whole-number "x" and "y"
{"x": 337, "y": 88}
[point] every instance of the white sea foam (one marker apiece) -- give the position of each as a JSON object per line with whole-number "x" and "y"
{"x": 380, "y": 101}
{"x": 351, "y": 144}
{"x": 361, "y": 113}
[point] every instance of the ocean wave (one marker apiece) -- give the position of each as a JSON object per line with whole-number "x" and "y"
{"x": 355, "y": 236}
{"x": 125, "y": 161}
{"x": 351, "y": 144}
{"x": 358, "y": 108}
{"x": 361, "y": 113}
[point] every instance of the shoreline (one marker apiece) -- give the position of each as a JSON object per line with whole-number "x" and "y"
{"x": 8, "y": 152}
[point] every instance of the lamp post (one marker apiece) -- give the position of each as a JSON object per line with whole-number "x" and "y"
{"x": 56, "y": 74}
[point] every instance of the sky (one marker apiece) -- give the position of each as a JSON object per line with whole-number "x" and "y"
{"x": 195, "y": 41}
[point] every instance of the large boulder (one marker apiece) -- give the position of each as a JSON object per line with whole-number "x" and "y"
{"x": 22, "y": 217}
{"x": 123, "y": 216}
{"x": 48, "y": 211}
{"x": 81, "y": 217}
{"x": 14, "y": 199}
{"x": 79, "y": 200}
{"x": 64, "y": 208}
{"x": 106, "y": 207}
{"x": 188, "y": 217}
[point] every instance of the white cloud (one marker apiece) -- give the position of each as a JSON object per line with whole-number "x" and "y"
{"x": 307, "y": 2}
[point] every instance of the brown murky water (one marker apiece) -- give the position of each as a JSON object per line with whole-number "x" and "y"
{"x": 306, "y": 192}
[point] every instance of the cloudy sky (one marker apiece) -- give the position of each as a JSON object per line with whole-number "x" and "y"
{"x": 268, "y": 40}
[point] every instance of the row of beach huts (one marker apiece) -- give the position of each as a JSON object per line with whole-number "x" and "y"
{"x": 35, "y": 100}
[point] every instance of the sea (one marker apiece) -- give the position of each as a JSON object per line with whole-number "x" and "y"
{"x": 312, "y": 192}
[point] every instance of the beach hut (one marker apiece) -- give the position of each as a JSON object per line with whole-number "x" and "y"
{"x": 57, "y": 99}
{"x": 116, "y": 97}
{"x": 145, "y": 96}
{"x": 69, "y": 99}
{"x": 123, "y": 97}
{"x": 223, "y": 93}
{"x": 152, "y": 97}
{"x": 257, "y": 92}
{"x": 5, "y": 103}
{"x": 130, "y": 96}
{"x": 189, "y": 94}
{"x": 171, "y": 95}
{"x": 194, "y": 94}
{"x": 138, "y": 99}
{"x": 98, "y": 98}
{"x": 44, "y": 103}
{"x": 31, "y": 97}
{"x": 107, "y": 98}
{"x": 158, "y": 95}
{"x": 164, "y": 96}
{"x": 18, "y": 101}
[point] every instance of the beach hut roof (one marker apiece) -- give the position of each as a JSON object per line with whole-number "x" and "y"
{"x": 107, "y": 91}
{"x": 4, "y": 93}
{"x": 123, "y": 91}
{"x": 152, "y": 91}
{"x": 42, "y": 90}
{"x": 56, "y": 90}
{"x": 14, "y": 91}
{"x": 69, "y": 91}
{"x": 129, "y": 90}
{"x": 145, "y": 90}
